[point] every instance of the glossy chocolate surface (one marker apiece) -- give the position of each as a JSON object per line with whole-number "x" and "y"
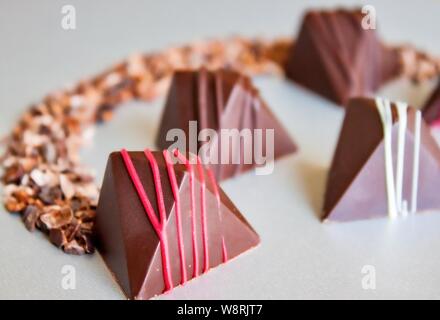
{"x": 217, "y": 100}
{"x": 126, "y": 238}
{"x": 338, "y": 59}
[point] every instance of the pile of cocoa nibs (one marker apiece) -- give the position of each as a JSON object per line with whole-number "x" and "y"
{"x": 44, "y": 180}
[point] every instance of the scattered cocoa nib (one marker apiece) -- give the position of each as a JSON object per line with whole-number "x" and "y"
{"x": 62, "y": 238}
{"x": 55, "y": 217}
{"x": 30, "y": 217}
{"x": 13, "y": 205}
{"x": 85, "y": 241}
{"x": 41, "y": 165}
{"x": 57, "y": 237}
{"x": 73, "y": 247}
{"x": 17, "y": 198}
{"x": 85, "y": 216}
{"x": 67, "y": 187}
{"x": 105, "y": 113}
{"x": 50, "y": 195}
{"x": 79, "y": 203}
{"x": 87, "y": 228}
{"x": 13, "y": 174}
{"x": 69, "y": 231}
{"x": 417, "y": 65}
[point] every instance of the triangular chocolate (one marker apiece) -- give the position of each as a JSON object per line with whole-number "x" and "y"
{"x": 431, "y": 109}
{"x": 386, "y": 163}
{"x": 136, "y": 242}
{"x": 338, "y": 59}
{"x": 219, "y": 100}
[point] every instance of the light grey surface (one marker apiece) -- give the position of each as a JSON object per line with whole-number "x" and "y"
{"x": 299, "y": 257}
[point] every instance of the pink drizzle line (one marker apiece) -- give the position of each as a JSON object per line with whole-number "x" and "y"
{"x": 159, "y": 227}
{"x": 175, "y": 188}
{"x": 203, "y": 214}
{"x": 217, "y": 197}
{"x": 224, "y": 250}
{"x": 189, "y": 168}
{"x": 162, "y": 215}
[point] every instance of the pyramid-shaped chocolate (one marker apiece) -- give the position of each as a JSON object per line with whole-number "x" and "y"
{"x": 221, "y": 100}
{"x": 338, "y": 59}
{"x": 386, "y": 163}
{"x": 431, "y": 109}
{"x": 161, "y": 224}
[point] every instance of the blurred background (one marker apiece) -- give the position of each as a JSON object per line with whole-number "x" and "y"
{"x": 38, "y": 56}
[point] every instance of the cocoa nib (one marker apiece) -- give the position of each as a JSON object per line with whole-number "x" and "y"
{"x": 13, "y": 205}
{"x": 50, "y": 195}
{"x": 79, "y": 203}
{"x": 104, "y": 114}
{"x": 85, "y": 216}
{"x": 70, "y": 234}
{"x": 56, "y": 217}
{"x": 73, "y": 247}
{"x": 30, "y": 217}
{"x": 13, "y": 174}
{"x": 57, "y": 237}
{"x": 18, "y": 198}
{"x": 85, "y": 241}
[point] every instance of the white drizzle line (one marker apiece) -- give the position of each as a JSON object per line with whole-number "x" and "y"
{"x": 396, "y": 204}
{"x": 402, "y": 114}
{"x": 384, "y": 109}
{"x": 415, "y": 177}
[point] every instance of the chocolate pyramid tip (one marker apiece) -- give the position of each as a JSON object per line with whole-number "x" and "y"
{"x": 335, "y": 57}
